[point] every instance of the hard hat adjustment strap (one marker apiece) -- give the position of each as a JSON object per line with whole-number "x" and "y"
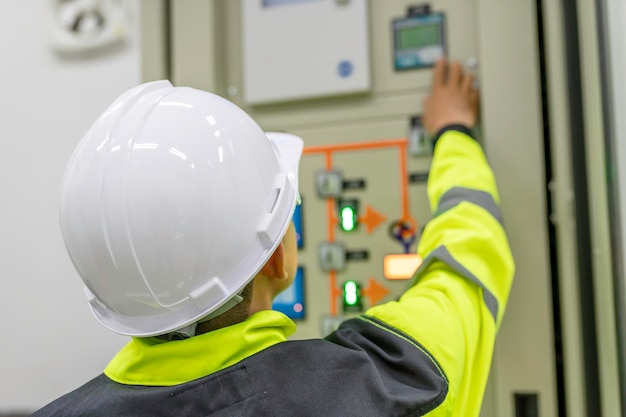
{"x": 190, "y": 330}
{"x": 180, "y": 334}
{"x": 237, "y": 298}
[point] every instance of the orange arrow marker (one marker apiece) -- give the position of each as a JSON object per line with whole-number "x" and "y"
{"x": 371, "y": 219}
{"x": 375, "y": 291}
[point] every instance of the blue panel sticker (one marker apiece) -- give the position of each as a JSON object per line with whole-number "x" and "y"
{"x": 297, "y": 222}
{"x": 291, "y": 301}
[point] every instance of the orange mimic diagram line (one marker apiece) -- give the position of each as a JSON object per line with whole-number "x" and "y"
{"x": 371, "y": 218}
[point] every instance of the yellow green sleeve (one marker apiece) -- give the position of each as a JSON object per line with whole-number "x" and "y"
{"x": 456, "y": 301}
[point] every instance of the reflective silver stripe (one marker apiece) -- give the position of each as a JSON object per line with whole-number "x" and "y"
{"x": 457, "y": 195}
{"x": 442, "y": 254}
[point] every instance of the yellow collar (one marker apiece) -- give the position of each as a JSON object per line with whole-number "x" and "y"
{"x": 150, "y": 361}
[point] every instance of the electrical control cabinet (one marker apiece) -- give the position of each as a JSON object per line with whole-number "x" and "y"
{"x": 358, "y": 147}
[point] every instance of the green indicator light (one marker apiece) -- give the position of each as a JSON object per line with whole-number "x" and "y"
{"x": 348, "y": 211}
{"x": 351, "y": 293}
{"x": 352, "y": 297}
{"x": 348, "y": 220}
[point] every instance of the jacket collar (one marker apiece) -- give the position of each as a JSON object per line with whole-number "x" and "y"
{"x": 154, "y": 362}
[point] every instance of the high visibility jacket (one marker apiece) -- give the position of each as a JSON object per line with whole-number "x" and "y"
{"x": 426, "y": 354}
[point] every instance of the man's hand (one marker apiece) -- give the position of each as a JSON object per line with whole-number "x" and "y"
{"x": 453, "y": 100}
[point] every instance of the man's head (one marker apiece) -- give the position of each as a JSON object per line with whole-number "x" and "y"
{"x": 172, "y": 203}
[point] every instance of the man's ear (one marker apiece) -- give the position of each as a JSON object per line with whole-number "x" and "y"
{"x": 275, "y": 265}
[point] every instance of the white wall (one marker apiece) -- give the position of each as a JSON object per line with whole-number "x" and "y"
{"x": 49, "y": 342}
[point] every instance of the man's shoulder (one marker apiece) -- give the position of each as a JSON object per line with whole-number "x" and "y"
{"x": 62, "y": 406}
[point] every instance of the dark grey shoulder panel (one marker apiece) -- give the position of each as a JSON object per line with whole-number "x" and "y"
{"x": 408, "y": 379}
{"x": 364, "y": 369}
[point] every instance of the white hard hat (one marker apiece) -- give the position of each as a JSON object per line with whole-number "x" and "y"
{"x": 172, "y": 202}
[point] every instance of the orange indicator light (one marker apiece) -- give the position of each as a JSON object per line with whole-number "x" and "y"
{"x": 401, "y": 266}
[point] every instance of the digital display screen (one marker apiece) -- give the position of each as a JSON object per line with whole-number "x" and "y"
{"x": 418, "y": 41}
{"x": 419, "y": 36}
{"x": 274, "y": 3}
{"x": 291, "y": 301}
